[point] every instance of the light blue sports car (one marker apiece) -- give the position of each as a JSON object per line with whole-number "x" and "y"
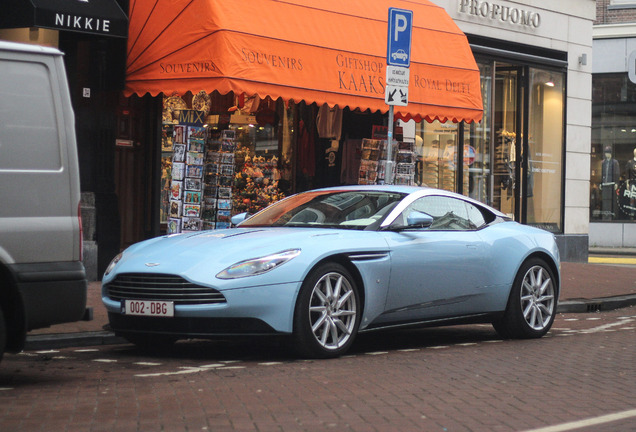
{"x": 324, "y": 265}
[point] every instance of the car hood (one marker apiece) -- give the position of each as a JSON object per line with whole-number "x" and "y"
{"x": 201, "y": 255}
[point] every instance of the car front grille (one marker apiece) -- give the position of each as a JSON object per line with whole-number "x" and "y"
{"x": 161, "y": 287}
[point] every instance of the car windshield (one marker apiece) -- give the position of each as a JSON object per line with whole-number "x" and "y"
{"x": 328, "y": 209}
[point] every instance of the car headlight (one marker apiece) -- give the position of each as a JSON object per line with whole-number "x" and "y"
{"x": 256, "y": 266}
{"x": 113, "y": 263}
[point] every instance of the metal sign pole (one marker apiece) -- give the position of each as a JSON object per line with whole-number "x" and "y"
{"x": 388, "y": 174}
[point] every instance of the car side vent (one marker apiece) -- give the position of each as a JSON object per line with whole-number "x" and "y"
{"x": 367, "y": 256}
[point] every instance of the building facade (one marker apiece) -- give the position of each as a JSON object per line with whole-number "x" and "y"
{"x": 538, "y": 48}
{"x": 529, "y": 156}
{"x": 613, "y": 156}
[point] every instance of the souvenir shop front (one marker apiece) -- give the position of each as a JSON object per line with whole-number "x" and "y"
{"x": 235, "y": 114}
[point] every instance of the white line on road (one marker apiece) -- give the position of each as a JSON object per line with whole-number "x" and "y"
{"x": 587, "y": 422}
{"x": 605, "y": 327}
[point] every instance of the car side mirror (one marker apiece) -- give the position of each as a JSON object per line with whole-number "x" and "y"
{"x": 237, "y": 219}
{"x": 419, "y": 220}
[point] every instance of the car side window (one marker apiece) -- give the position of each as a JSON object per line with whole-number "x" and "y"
{"x": 449, "y": 214}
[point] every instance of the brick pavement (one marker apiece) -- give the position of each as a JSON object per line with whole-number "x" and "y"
{"x": 579, "y": 281}
{"x": 425, "y": 380}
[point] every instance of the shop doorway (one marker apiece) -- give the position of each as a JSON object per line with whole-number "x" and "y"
{"x": 506, "y": 181}
{"x": 518, "y": 147}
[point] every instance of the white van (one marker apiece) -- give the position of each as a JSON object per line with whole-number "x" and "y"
{"x": 42, "y": 278}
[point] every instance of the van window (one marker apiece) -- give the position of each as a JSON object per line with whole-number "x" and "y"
{"x": 27, "y": 142}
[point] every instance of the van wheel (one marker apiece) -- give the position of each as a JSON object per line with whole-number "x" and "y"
{"x": 3, "y": 334}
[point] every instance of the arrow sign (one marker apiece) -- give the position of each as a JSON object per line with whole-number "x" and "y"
{"x": 397, "y": 86}
{"x": 396, "y": 95}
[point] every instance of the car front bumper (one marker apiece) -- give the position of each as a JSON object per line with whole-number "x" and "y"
{"x": 255, "y": 310}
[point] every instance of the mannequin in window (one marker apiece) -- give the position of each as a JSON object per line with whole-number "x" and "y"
{"x": 630, "y": 172}
{"x": 610, "y": 172}
{"x": 630, "y": 169}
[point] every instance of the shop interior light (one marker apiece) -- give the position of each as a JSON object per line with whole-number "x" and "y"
{"x": 550, "y": 84}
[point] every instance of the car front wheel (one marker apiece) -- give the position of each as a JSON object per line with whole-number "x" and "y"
{"x": 532, "y": 304}
{"x": 327, "y": 314}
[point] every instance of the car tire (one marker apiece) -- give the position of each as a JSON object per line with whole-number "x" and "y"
{"x": 532, "y": 303}
{"x": 3, "y": 334}
{"x": 327, "y": 314}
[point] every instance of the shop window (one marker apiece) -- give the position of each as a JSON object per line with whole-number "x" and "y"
{"x": 613, "y": 157}
{"x": 545, "y": 149}
{"x": 436, "y": 151}
{"x": 221, "y": 155}
{"x": 620, "y": 4}
{"x": 477, "y": 143}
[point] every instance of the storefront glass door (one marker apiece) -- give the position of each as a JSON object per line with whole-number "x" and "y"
{"x": 523, "y": 115}
{"x": 507, "y": 116}
{"x": 544, "y": 189}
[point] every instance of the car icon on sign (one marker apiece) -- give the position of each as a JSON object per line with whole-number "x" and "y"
{"x": 399, "y": 54}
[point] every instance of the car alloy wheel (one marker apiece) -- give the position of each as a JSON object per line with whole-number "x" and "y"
{"x": 537, "y": 298}
{"x": 332, "y": 310}
{"x": 327, "y": 315}
{"x": 532, "y": 303}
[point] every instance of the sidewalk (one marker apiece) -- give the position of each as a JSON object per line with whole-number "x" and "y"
{"x": 603, "y": 284}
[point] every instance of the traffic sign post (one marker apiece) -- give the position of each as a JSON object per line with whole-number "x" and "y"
{"x": 397, "y": 86}
{"x": 399, "y": 37}
{"x": 398, "y": 59}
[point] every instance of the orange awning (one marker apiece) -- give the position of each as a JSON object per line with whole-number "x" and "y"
{"x": 331, "y": 51}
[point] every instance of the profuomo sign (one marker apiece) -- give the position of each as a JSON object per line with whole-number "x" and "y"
{"x": 498, "y": 12}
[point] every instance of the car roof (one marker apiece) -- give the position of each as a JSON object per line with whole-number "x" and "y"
{"x": 402, "y": 189}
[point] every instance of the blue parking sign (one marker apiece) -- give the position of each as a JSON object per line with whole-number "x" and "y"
{"x": 398, "y": 50}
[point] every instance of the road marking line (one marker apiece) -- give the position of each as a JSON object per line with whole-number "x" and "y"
{"x": 604, "y": 327}
{"x": 186, "y": 370}
{"x": 587, "y": 422}
{"x": 147, "y": 364}
{"x": 105, "y": 360}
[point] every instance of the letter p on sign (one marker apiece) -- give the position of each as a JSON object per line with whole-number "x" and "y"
{"x": 398, "y": 52}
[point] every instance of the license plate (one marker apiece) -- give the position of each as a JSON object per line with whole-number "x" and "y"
{"x": 148, "y": 308}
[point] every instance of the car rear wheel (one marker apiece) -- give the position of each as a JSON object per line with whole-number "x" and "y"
{"x": 532, "y": 304}
{"x": 327, "y": 314}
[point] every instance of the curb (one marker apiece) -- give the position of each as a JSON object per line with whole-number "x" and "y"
{"x": 84, "y": 339}
{"x": 66, "y": 340}
{"x": 596, "y": 305}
